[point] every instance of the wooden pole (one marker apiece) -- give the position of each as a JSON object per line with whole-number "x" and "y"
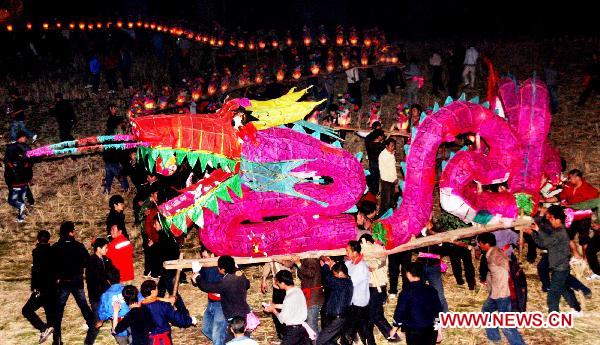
{"x": 177, "y": 275}
{"x": 355, "y": 129}
{"x": 449, "y": 236}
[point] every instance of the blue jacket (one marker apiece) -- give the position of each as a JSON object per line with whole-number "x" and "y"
{"x": 418, "y": 306}
{"x": 163, "y": 313}
{"x": 94, "y": 65}
{"x": 341, "y": 290}
{"x": 105, "y": 308}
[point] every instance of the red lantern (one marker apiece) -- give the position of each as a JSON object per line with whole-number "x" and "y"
{"x": 180, "y": 99}
{"x": 139, "y": 23}
{"x": 196, "y": 94}
{"x": 71, "y": 25}
{"x": 98, "y": 25}
{"x": 251, "y": 45}
{"x": 307, "y": 41}
{"x": 29, "y": 26}
{"x": 315, "y": 69}
{"x": 339, "y": 40}
{"x": 323, "y": 39}
{"x": 297, "y": 74}
{"x": 90, "y": 26}
{"x": 364, "y": 60}
{"x": 198, "y": 38}
{"x": 204, "y": 39}
{"x": 130, "y": 25}
{"x": 152, "y": 26}
{"x": 9, "y": 27}
{"x": 224, "y": 85}
{"x": 368, "y": 42}
{"x": 345, "y": 62}
{"x": 394, "y": 59}
{"x": 190, "y": 35}
{"x": 45, "y": 26}
{"x": 119, "y": 24}
{"x": 211, "y": 89}
{"x": 353, "y": 40}
{"x": 212, "y": 41}
{"x": 275, "y": 44}
{"x": 259, "y": 78}
{"x": 289, "y": 41}
{"x": 280, "y": 75}
{"x": 262, "y": 44}
{"x": 149, "y": 104}
{"x": 220, "y": 42}
{"x": 160, "y": 28}
{"x": 330, "y": 66}
{"x": 146, "y": 25}
{"x": 241, "y": 44}
{"x": 58, "y": 25}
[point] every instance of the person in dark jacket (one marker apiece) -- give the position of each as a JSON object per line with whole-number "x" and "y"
{"x": 311, "y": 283}
{"x": 138, "y": 320}
{"x": 417, "y": 309}
{"x": 65, "y": 117}
{"x": 99, "y": 274}
{"x": 233, "y": 288}
{"x": 214, "y": 323}
{"x": 71, "y": 257}
{"x": 338, "y": 303}
{"x": 16, "y": 112}
{"x": 163, "y": 314}
{"x": 18, "y": 173}
{"x": 134, "y": 170}
{"x": 116, "y": 216}
{"x": 43, "y": 287}
{"x": 374, "y": 145}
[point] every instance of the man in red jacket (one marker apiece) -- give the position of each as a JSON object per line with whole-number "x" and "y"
{"x": 120, "y": 252}
{"x": 578, "y": 190}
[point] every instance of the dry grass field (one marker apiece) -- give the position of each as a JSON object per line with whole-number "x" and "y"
{"x": 71, "y": 190}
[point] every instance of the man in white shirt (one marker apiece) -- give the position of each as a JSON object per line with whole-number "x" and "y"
{"x": 353, "y": 79}
{"x": 388, "y": 175}
{"x": 435, "y": 62}
{"x": 293, "y": 312}
{"x": 470, "y": 62}
{"x": 359, "y": 306}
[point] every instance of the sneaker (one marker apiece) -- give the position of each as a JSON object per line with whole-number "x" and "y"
{"x": 594, "y": 276}
{"x": 20, "y": 220}
{"x": 46, "y": 334}
{"x": 576, "y": 313}
{"x": 34, "y": 138}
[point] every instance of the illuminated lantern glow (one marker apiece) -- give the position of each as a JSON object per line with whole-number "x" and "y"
{"x": 297, "y": 74}
{"x": 307, "y": 41}
{"x": 394, "y": 59}
{"x": 71, "y": 25}
{"x": 259, "y": 78}
{"x": 345, "y": 62}
{"x": 190, "y": 35}
{"x": 211, "y": 89}
{"x": 289, "y": 41}
{"x": 224, "y": 86}
{"x": 323, "y": 39}
{"x": 152, "y": 26}
{"x": 196, "y": 95}
{"x": 98, "y": 25}
{"x": 232, "y": 42}
{"x": 275, "y": 44}
{"x": 119, "y": 24}
{"x": 220, "y": 43}
{"x": 367, "y": 42}
{"x": 29, "y": 26}
{"x": 198, "y": 38}
{"x": 262, "y": 44}
{"x": 251, "y": 46}
{"x": 146, "y": 25}
{"x": 9, "y": 27}
{"x": 130, "y": 25}
{"x": 382, "y": 58}
{"x": 204, "y": 38}
{"x": 159, "y": 28}
{"x": 58, "y": 25}
{"x": 149, "y": 104}
{"x": 353, "y": 40}
{"x": 241, "y": 44}
{"x": 330, "y": 66}
{"x": 180, "y": 99}
{"x": 211, "y": 41}
{"x": 339, "y": 40}
{"x": 139, "y": 24}
{"x": 280, "y": 75}
{"x": 364, "y": 60}
{"x": 315, "y": 69}
{"x": 90, "y": 26}
{"x": 45, "y": 26}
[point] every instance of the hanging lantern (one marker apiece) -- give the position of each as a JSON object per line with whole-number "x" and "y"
{"x": 353, "y": 40}
{"x": 119, "y": 24}
{"x": 196, "y": 94}
{"x": 251, "y": 45}
{"x": 275, "y": 44}
{"x": 339, "y": 40}
{"x": 220, "y": 42}
{"x": 58, "y": 25}
{"x": 330, "y": 66}
{"x": 160, "y": 28}
{"x": 139, "y": 23}
{"x": 9, "y": 28}
{"x": 224, "y": 85}
{"x": 149, "y": 104}
{"x": 345, "y": 62}
{"x": 190, "y": 35}
{"x": 198, "y": 38}
{"x": 394, "y": 59}
{"x": 90, "y": 26}
{"x": 262, "y": 44}
{"x": 29, "y": 26}
{"x": 152, "y": 26}
{"x": 259, "y": 78}
{"x": 382, "y": 58}
{"x": 289, "y": 41}
{"x": 130, "y": 25}
{"x": 98, "y": 25}
{"x": 323, "y": 39}
{"x": 71, "y": 25}
{"x": 367, "y": 42}
{"x": 204, "y": 39}
{"x": 307, "y": 40}
{"x": 146, "y": 25}
{"x": 180, "y": 99}
{"x": 315, "y": 69}
{"x": 280, "y": 75}
{"x": 211, "y": 89}
{"x": 45, "y": 26}
{"x": 297, "y": 73}
{"x": 212, "y": 41}
{"x": 241, "y": 44}
{"x": 242, "y": 82}
{"x": 364, "y": 60}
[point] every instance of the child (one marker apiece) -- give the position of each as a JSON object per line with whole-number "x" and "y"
{"x": 237, "y": 326}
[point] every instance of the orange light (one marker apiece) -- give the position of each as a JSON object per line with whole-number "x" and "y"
{"x": 353, "y": 40}
{"x": 29, "y": 26}
{"x": 367, "y": 42}
{"x": 196, "y": 95}
{"x": 364, "y": 60}
{"x": 262, "y": 44}
{"x": 146, "y": 25}
{"x": 211, "y": 89}
{"x": 339, "y": 40}
{"x": 130, "y": 25}
{"x": 204, "y": 39}
{"x": 99, "y": 25}
{"x": 211, "y": 41}
{"x": 198, "y": 38}
{"x": 307, "y": 41}
{"x": 241, "y": 44}
{"x": 394, "y": 59}
{"x": 315, "y": 69}
{"x": 330, "y": 67}
{"x": 119, "y": 24}
{"x": 90, "y": 26}
{"x": 258, "y": 79}
{"x": 242, "y": 82}
{"x": 190, "y": 35}
{"x": 289, "y": 41}
{"x": 220, "y": 43}
{"x": 9, "y": 27}
{"x": 251, "y": 45}
{"x": 344, "y": 121}
{"x": 323, "y": 40}
{"x": 275, "y": 44}
{"x": 159, "y": 28}
{"x": 58, "y": 25}
{"x": 297, "y": 74}
{"x": 345, "y": 62}
{"x": 149, "y": 104}
{"x": 224, "y": 86}
{"x": 71, "y": 25}
{"x": 139, "y": 23}
{"x": 180, "y": 100}
{"x": 280, "y": 75}
{"x": 152, "y": 26}
{"x": 45, "y": 26}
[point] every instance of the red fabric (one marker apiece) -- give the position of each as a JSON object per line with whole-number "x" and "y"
{"x": 492, "y": 84}
{"x": 160, "y": 339}
{"x": 215, "y": 297}
{"x": 149, "y": 225}
{"x": 581, "y": 194}
{"x": 120, "y": 252}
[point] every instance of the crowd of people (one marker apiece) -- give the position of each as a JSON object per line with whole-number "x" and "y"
{"x": 337, "y": 299}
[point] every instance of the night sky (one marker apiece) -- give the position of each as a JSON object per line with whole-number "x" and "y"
{"x": 400, "y": 18}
